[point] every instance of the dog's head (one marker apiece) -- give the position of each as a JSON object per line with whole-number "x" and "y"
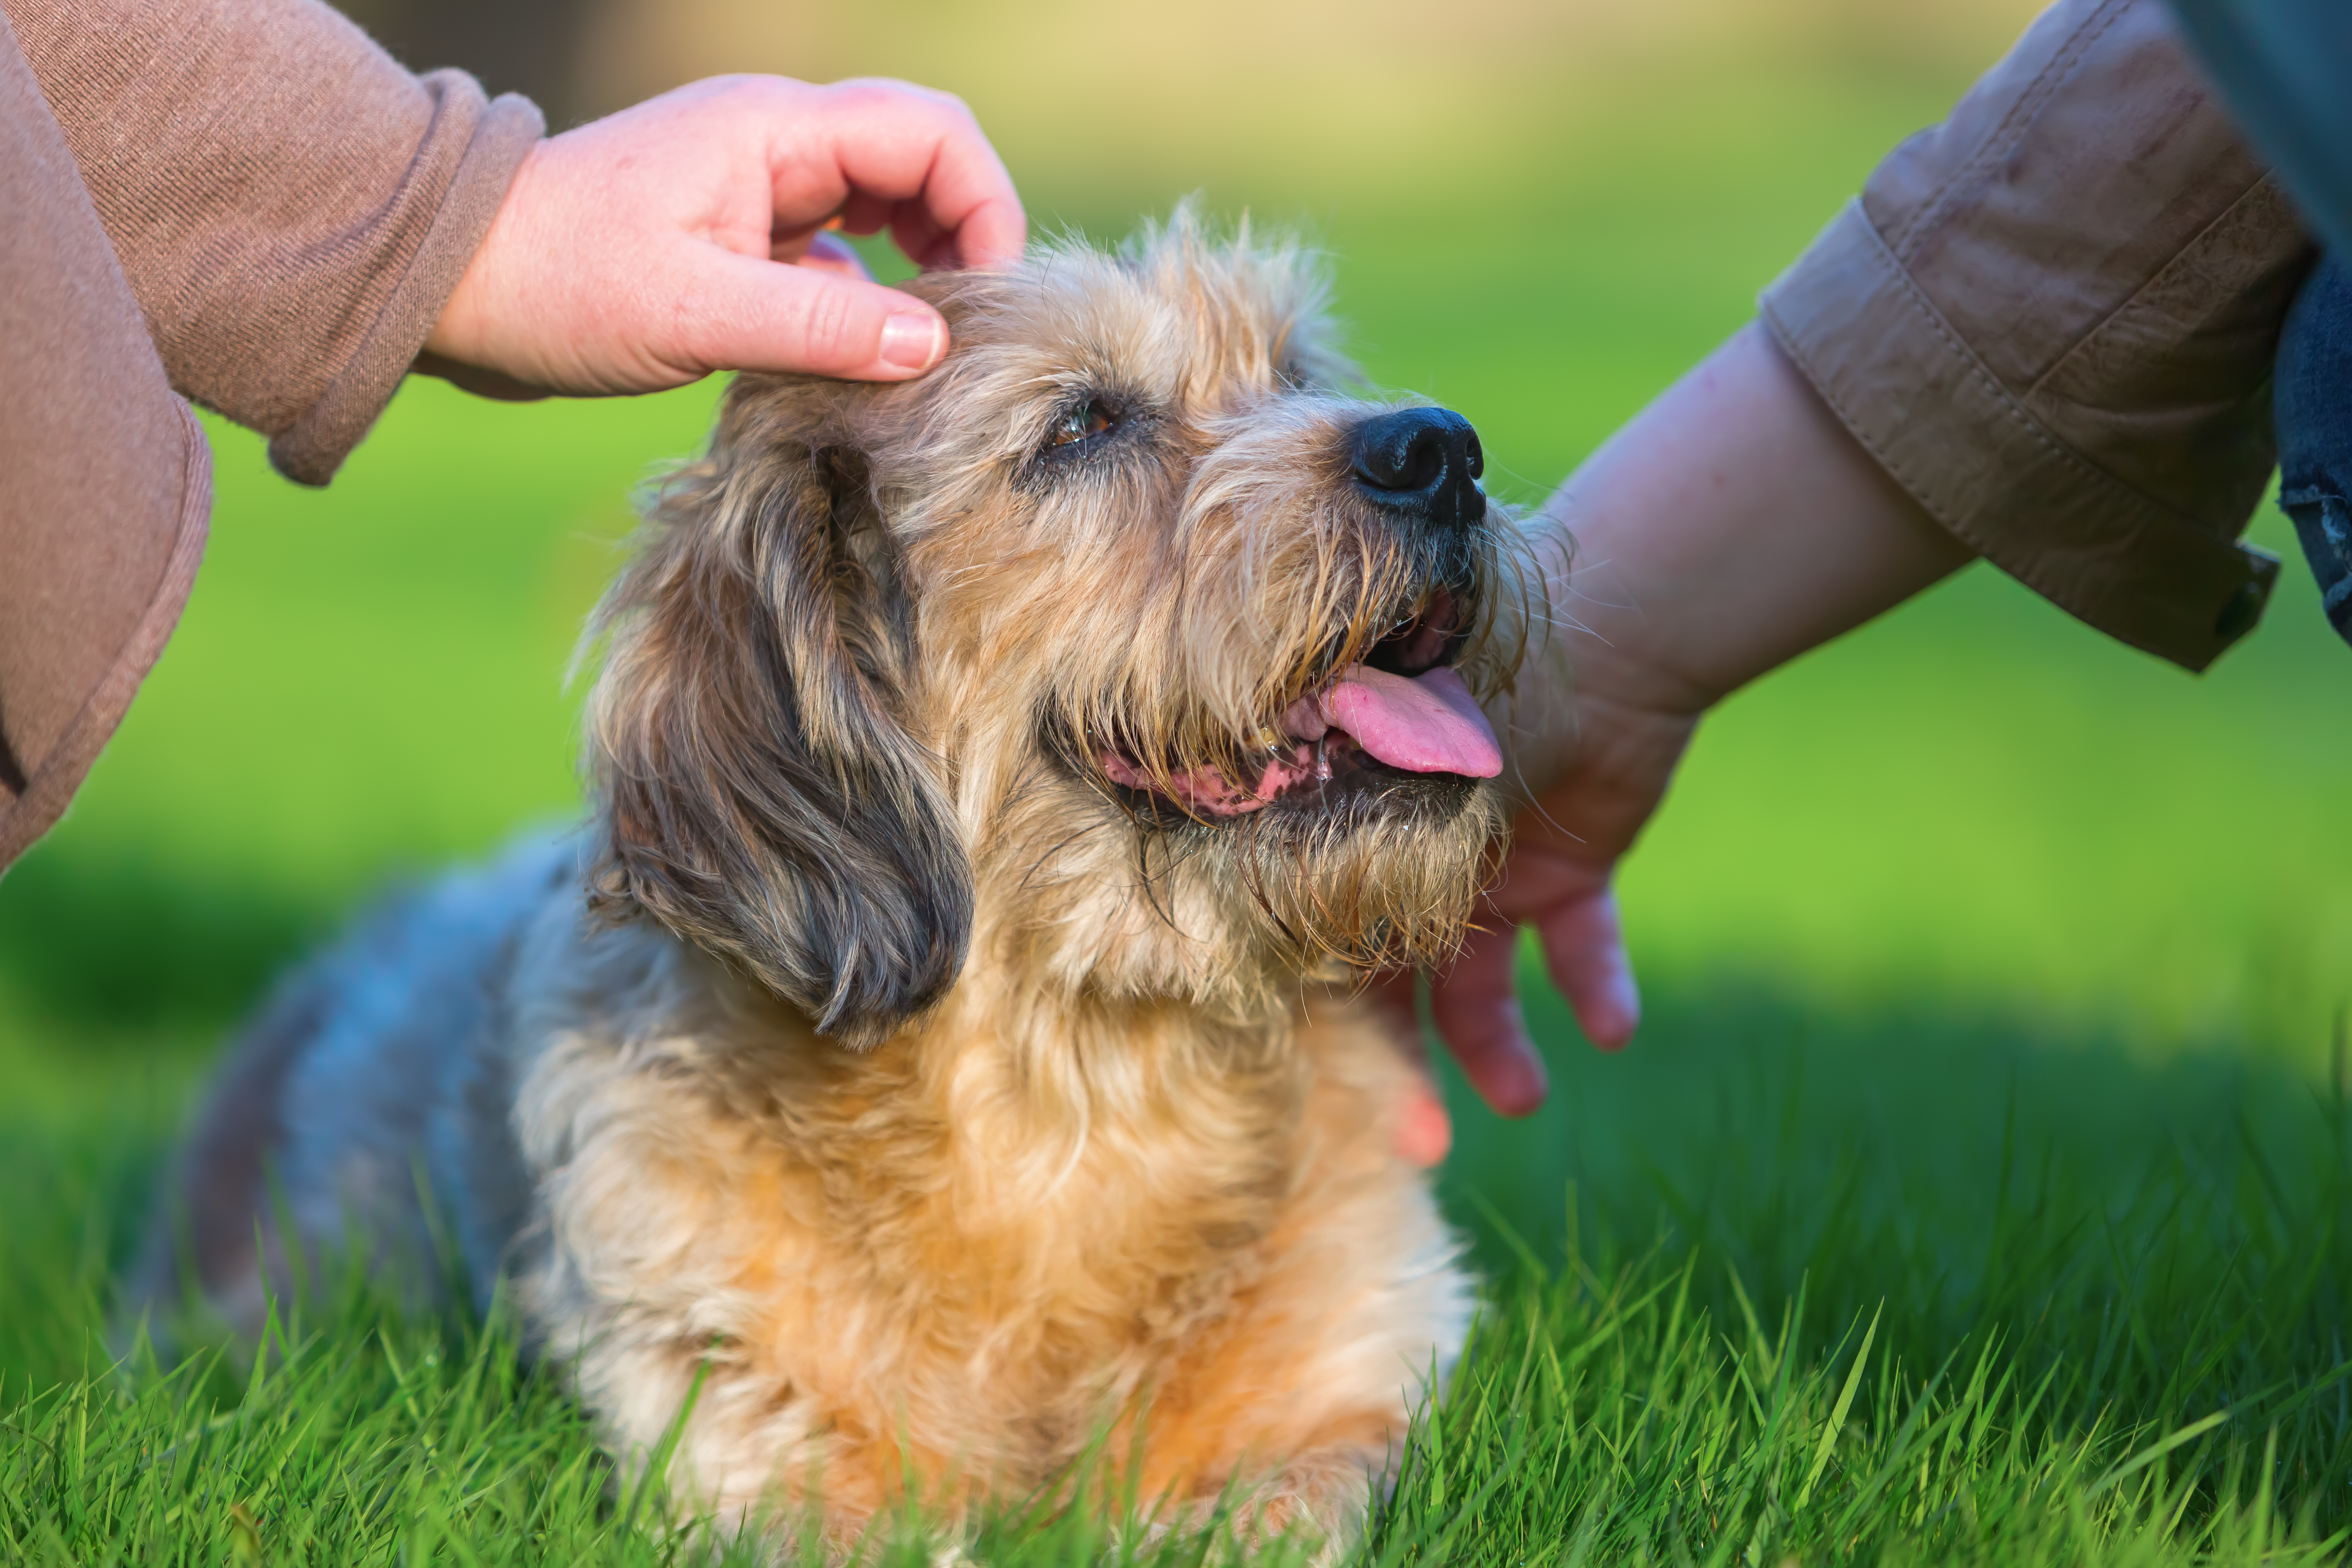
{"x": 1127, "y": 644}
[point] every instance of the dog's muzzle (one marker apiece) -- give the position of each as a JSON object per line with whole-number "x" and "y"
{"x": 1403, "y": 713}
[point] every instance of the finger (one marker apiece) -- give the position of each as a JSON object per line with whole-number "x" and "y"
{"x": 863, "y": 213}
{"x": 919, "y": 237}
{"x": 1424, "y": 1130}
{"x": 1585, "y": 948}
{"x": 901, "y": 143}
{"x": 1477, "y": 1015}
{"x": 738, "y": 312}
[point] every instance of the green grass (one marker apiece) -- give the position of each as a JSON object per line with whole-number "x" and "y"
{"x": 1993, "y": 973}
{"x": 2028, "y": 1302}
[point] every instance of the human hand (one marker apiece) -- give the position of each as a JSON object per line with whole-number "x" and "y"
{"x": 1731, "y": 526}
{"x": 1559, "y": 877}
{"x": 685, "y": 235}
{"x": 1596, "y": 756}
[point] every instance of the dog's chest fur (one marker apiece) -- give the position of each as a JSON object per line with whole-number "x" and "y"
{"x": 970, "y": 1252}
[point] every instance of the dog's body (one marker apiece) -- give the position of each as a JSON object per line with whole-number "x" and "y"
{"x": 937, "y": 1034}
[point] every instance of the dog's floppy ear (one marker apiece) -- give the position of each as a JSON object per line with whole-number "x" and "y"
{"x": 760, "y": 795}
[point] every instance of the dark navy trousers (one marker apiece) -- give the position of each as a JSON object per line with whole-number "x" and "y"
{"x": 2313, "y": 391}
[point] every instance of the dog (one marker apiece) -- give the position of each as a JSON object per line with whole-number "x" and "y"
{"x": 943, "y": 1047}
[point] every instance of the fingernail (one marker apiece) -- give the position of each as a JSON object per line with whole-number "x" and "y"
{"x": 914, "y": 340}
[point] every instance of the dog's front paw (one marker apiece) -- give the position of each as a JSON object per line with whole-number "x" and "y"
{"x": 1313, "y": 1509}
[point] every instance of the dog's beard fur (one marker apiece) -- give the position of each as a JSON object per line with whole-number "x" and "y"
{"x": 1233, "y": 917}
{"x": 881, "y": 646}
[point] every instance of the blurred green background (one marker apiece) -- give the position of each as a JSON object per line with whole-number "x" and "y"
{"x": 1969, "y": 858}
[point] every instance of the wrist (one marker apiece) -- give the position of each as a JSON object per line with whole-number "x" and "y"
{"x": 461, "y": 333}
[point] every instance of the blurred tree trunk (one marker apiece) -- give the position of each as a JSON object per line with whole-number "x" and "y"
{"x": 530, "y": 46}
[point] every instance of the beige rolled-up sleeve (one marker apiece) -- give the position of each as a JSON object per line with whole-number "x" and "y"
{"x": 2053, "y": 318}
{"x": 291, "y": 207}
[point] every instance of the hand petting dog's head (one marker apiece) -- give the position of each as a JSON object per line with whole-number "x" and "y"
{"x": 1126, "y": 651}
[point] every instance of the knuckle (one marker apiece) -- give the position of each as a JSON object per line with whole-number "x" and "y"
{"x": 952, "y": 114}
{"x": 887, "y": 95}
{"x": 770, "y": 92}
{"x": 755, "y": 97}
{"x": 726, "y": 89}
{"x": 862, "y": 94}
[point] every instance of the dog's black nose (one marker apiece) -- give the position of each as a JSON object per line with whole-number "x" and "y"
{"x": 1422, "y": 460}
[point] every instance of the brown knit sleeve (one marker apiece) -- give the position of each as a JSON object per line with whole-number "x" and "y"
{"x": 2052, "y": 318}
{"x": 290, "y": 206}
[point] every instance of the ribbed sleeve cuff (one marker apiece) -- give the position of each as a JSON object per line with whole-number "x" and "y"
{"x": 494, "y": 137}
{"x": 1946, "y": 428}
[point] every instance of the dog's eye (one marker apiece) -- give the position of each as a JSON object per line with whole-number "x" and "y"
{"x": 1077, "y": 424}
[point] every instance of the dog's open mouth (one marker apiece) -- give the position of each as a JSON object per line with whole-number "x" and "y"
{"x": 1403, "y": 711}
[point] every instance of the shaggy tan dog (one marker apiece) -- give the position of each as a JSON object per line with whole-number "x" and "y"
{"x": 943, "y": 1030}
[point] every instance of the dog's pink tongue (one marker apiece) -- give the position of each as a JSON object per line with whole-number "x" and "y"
{"x": 1429, "y": 724}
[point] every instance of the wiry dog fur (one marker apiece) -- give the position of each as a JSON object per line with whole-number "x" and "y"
{"x": 953, "y": 1102}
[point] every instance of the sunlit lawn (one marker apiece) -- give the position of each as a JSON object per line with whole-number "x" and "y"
{"x": 1992, "y": 969}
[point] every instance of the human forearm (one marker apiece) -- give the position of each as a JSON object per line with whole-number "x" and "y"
{"x": 1729, "y": 527}
{"x": 291, "y": 207}
{"x": 2051, "y": 317}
